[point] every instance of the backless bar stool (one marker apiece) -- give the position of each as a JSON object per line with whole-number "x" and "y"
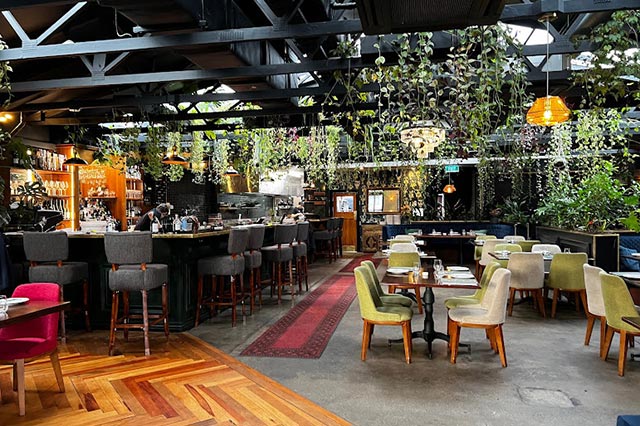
{"x": 281, "y": 254}
{"x": 300, "y": 254}
{"x": 231, "y": 265}
{"x": 130, "y": 254}
{"x": 47, "y": 253}
{"x": 253, "y": 262}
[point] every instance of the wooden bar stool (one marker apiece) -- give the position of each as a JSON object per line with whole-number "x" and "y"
{"x": 281, "y": 254}
{"x": 231, "y": 265}
{"x": 130, "y": 254}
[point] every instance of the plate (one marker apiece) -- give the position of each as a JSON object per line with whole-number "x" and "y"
{"x": 17, "y": 300}
{"x": 397, "y": 271}
{"x": 462, "y": 275}
{"x": 457, "y": 268}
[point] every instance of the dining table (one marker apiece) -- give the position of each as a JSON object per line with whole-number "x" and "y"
{"x": 425, "y": 280}
{"x": 29, "y": 310}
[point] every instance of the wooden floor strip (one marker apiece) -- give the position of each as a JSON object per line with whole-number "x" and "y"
{"x": 184, "y": 382}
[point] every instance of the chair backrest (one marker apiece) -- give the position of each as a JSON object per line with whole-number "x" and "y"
{"x": 46, "y": 246}
{"x": 527, "y": 270}
{"x": 617, "y": 301}
{"x": 488, "y": 247}
{"x": 256, "y": 236}
{"x": 339, "y": 223}
{"x": 400, "y": 259}
{"x": 477, "y": 252}
{"x": 486, "y": 237}
{"x": 238, "y": 239}
{"x": 331, "y": 224}
{"x": 368, "y": 299}
{"x": 527, "y": 245}
{"x": 373, "y": 275}
{"x": 285, "y": 233}
{"x": 593, "y": 285}
{"x": 551, "y": 248}
{"x": 303, "y": 232}
{"x": 124, "y": 248}
{"x": 566, "y": 271}
{"x": 404, "y": 247}
{"x": 512, "y": 248}
{"x": 487, "y": 274}
{"x": 514, "y": 238}
{"x": 495, "y": 298}
{"x": 402, "y": 238}
{"x": 45, "y": 327}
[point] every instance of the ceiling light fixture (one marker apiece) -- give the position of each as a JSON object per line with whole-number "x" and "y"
{"x": 231, "y": 171}
{"x": 449, "y": 188}
{"x": 550, "y": 110}
{"x": 172, "y": 157}
{"x": 423, "y": 139}
{"x": 75, "y": 160}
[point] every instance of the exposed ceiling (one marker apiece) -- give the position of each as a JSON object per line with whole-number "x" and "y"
{"x": 84, "y": 62}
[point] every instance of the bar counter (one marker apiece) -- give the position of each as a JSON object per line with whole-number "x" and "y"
{"x": 180, "y": 251}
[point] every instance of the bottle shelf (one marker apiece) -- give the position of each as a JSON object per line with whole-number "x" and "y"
{"x": 100, "y": 198}
{"x": 51, "y": 172}
{"x": 135, "y": 198}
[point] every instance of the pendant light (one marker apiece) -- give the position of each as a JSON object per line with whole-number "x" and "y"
{"x": 75, "y": 160}
{"x": 172, "y": 157}
{"x": 449, "y": 188}
{"x": 550, "y": 110}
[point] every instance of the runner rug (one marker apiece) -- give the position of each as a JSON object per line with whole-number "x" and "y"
{"x": 349, "y": 267}
{"x": 305, "y": 331}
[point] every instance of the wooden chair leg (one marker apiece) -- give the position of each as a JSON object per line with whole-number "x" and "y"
{"x": 406, "y": 337}
{"x": 554, "y": 302}
{"x": 125, "y": 315}
{"x": 419, "y": 300}
{"x": 85, "y": 304}
{"x": 291, "y": 282}
{"x": 165, "y": 309}
{"x": 114, "y": 319}
{"x": 366, "y": 337}
{"x": 19, "y": 380}
{"x": 199, "y": 298}
{"x": 512, "y": 296}
{"x": 145, "y": 323}
{"x": 500, "y": 344}
{"x": 57, "y": 371}
{"x": 305, "y": 264}
{"x": 583, "y": 298}
{"x": 455, "y": 341}
{"x": 259, "y": 284}
{"x": 540, "y": 299}
{"x": 63, "y": 326}
{"x": 232, "y": 285}
{"x": 622, "y": 356}
{"x": 603, "y": 332}
{"x": 607, "y": 343}
{"x": 591, "y": 319}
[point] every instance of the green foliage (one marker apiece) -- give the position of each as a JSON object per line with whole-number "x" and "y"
{"x": 154, "y": 151}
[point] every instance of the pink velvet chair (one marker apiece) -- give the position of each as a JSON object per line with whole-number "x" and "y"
{"x": 26, "y": 341}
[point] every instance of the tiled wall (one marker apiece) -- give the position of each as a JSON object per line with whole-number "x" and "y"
{"x": 187, "y": 195}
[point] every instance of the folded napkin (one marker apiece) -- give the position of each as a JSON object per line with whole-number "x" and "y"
{"x": 458, "y": 281}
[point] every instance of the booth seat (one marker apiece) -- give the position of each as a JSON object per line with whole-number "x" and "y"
{"x": 500, "y": 230}
{"x": 629, "y": 244}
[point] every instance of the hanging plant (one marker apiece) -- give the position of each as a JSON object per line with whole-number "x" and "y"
{"x": 197, "y": 160}
{"x": 153, "y": 151}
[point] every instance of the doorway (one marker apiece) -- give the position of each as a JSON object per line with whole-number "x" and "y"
{"x": 345, "y": 206}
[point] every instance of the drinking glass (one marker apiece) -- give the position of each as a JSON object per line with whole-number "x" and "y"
{"x": 4, "y": 306}
{"x": 416, "y": 271}
{"x": 438, "y": 268}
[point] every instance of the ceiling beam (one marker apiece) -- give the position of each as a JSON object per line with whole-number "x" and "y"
{"x": 519, "y": 12}
{"x": 233, "y": 35}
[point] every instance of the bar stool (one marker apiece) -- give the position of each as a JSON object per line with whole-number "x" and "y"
{"x": 325, "y": 239}
{"x": 253, "y": 262}
{"x": 130, "y": 254}
{"x": 47, "y": 253}
{"x": 300, "y": 254}
{"x": 280, "y": 254}
{"x": 231, "y": 265}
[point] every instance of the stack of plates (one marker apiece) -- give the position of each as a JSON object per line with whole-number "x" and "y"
{"x": 398, "y": 271}
{"x": 458, "y": 268}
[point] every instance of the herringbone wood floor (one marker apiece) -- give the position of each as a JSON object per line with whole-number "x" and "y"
{"x": 185, "y": 381}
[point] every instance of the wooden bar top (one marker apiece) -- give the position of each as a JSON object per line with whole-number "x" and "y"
{"x": 206, "y": 234}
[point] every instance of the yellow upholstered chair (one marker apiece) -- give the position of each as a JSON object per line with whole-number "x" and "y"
{"x": 595, "y": 304}
{"x": 404, "y": 247}
{"x": 527, "y": 245}
{"x": 617, "y": 304}
{"x": 567, "y": 276}
{"x": 490, "y": 314}
{"x": 475, "y": 298}
{"x": 405, "y": 260}
{"x": 512, "y": 248}
{"x": 488, "y": 247}
{"x": 374, "y": 312}
{"x": 477, "y": 253}
{"x": 527, "y": 276}
{"x": 387, "y": 299}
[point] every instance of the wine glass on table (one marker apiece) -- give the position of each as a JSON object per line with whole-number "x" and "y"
{"x": 416, "y": 271}
{"x": 438, "y": 268}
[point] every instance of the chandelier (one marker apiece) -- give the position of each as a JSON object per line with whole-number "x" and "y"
{"x": 423, "y": 139}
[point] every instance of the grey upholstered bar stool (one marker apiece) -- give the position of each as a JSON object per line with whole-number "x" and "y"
{"x": 130, "y": 254}
{"x": 324, "y": 240}
{"x": 47, "y": 253}
{"x": 300, "y": 251}
{"x": 253, "y": 262}
{"x": 281, "y": 254}
{"x": 231, "y": 265}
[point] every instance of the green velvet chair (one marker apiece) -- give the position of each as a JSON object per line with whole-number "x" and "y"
{"x": 405, "y": 260}
{"x": 475, "y": 298}
{"x": 510, "y": 247}
{"x": 374, "y": 312}
{"x": 527, "y": 244}
{"x": 477, "y": 253}
{"x": 387, "y": 299}
{"x": 566, "y": 275}
{"x": 617, "y": 304}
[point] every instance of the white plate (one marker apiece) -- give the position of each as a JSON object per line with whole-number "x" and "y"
{"x": 397, "y": 271}
{"x": 17, "y": 300}
{"x": 461, "y": 275}
{"x": 457, "y": 268}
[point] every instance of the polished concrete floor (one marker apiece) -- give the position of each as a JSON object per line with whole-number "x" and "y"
{"x": 552, "y": 378}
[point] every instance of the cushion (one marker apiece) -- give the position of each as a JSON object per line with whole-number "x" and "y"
{"x": 132, "y": 278}
{"x": 627, "y": 264}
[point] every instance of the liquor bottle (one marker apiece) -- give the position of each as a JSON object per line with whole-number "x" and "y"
{"x": 155, "y": 226}
{"x": 176, "y": 224}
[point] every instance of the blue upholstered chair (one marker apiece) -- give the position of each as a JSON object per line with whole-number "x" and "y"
{"x": 130, "y": 255}
{"x": 231, "y": 265}
{"x": 47, "y": 253}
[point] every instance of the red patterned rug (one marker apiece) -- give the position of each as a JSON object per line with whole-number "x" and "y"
{"x": 349, "y": 267}
{"x": 305, "y": 331}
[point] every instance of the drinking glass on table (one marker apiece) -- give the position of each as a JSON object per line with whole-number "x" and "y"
{"x": 438, "y": 268}
{"x": 416, "y": 271}
{"x": 4, "y": 305}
